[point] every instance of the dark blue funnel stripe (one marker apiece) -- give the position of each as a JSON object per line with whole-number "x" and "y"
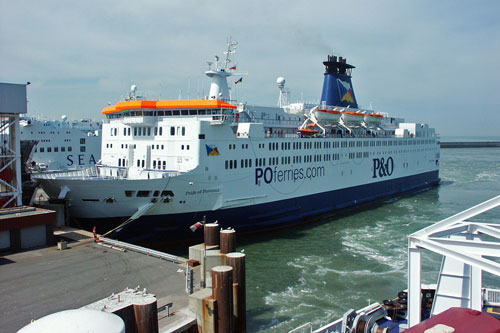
{"x": 337, "y": 86}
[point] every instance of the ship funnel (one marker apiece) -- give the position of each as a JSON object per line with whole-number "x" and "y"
{"x": 337, "y": 86}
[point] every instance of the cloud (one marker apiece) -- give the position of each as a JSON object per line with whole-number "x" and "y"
{"x": 411, "y": 60}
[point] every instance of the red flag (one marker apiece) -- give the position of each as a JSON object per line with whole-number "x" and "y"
{"x": 233, "y": 68}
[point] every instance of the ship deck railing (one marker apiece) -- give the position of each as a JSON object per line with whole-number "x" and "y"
{"x": 105, "y": 172}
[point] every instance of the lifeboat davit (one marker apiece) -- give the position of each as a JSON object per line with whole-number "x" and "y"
{"x": 373, "y": 118}
{"x": 352, "y": 118}
{"x": 325, "y": 116}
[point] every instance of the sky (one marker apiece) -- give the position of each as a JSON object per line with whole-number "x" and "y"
{"x": 435, "y": 62}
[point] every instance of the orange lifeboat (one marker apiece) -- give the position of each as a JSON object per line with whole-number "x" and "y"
{"x": 326, "y": 116}
{"x": 373, "y": 118}
{"x": 353, "y": 118}
{"x": 308, "y": 131}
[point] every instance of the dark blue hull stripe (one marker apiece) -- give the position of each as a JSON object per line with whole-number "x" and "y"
{"x": 175, "y": 227}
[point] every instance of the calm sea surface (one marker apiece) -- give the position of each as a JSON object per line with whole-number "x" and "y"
{"x": 316, "y": 272}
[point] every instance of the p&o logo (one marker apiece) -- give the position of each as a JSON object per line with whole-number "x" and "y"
{"x": 382, "y": 167}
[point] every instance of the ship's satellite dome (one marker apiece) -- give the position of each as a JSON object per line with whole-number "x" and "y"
{"x": 64, "y": 117}
{"x": 280, "y": 81}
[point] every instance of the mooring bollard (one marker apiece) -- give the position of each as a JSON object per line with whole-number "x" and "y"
{"x": 222, "y": 291}
{"x": 237, "y": 261}
{"x": 211, "y": 234}
{"x": 227, "y": 241}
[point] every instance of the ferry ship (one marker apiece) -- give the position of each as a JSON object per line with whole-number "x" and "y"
{"x": 61, "y": 145}
{"x": 168, "y": 164}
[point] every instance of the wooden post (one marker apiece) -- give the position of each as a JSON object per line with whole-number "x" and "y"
{"x": 146, "y": 317}
{"x": 227, "y": 241}
{"x": 237, "y": 261}
{"x": 211, "y": 234}
{"x": 222, "y": 291}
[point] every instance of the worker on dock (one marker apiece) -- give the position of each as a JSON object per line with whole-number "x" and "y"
{"x": 96, "y": 238}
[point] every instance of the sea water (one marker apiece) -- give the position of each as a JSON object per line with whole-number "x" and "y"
{"x": 317, "y": 271}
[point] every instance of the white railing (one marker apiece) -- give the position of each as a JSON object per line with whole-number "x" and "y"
{"x": 105, "y": 172}
{"x": 306, "y": 328}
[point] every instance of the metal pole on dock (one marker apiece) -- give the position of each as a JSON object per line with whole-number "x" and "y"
{"x": 227, "y": 241}
{"x": 222, "y": 291}
{"x": 237, "y": 261}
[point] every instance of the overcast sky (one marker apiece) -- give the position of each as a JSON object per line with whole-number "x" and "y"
{"x": 427, "y": 61}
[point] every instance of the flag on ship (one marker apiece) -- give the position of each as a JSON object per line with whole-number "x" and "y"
{"x": 239, "y": 80}
{"x": 233, "y": 68}
{"x": 212, "y": 151}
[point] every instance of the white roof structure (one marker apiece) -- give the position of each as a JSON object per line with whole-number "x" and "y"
{"x": 77, "y": 321}
{"x": 465, "y": 257}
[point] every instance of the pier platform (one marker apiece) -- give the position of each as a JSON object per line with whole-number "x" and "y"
{"x": 470, "y": 144}
{"x": 39, "y": 282}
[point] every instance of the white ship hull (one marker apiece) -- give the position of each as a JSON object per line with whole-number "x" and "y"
{"x": 250, "y": 198}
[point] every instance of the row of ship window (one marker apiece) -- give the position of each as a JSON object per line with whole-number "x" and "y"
{"x": 57, "y": 149}
{"x": 261, "y": 162}
{"x": 343, "y": 144}
{"x": 162, "y": 113}
{"x": 82, "y": 140}
{"x": 146, "y": 193}
{"x": 335, "y": 144}
{"x": 51, "y": 132}
{"x": 158, "y": 147}
{"x": 157, "y": 164}
{"x": 243, "y": 146}
{"x": 146, "y": 131}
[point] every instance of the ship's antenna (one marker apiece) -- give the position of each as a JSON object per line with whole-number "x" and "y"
{"x": 231, "y": 48}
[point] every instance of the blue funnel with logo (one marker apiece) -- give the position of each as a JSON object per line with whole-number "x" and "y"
{"x": 337, "y": 86}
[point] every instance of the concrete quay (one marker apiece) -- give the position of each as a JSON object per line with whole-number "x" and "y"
{"x": 39, "y": 282}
